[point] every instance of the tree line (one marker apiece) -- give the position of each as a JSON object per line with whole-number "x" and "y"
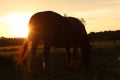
{"x": 103, "y": 36}
{"x": 93, "y": 36}
{"x": 10, "y": 41}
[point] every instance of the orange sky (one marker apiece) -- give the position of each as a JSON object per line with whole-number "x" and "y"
{"x": 100, "y": 15}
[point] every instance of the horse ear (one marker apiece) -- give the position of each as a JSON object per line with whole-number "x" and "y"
{"x": 82, "y": 20}
{"x": 65, "y": 15}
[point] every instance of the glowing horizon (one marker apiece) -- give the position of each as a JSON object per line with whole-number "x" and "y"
{"x": 100, "y": 15}
{"x": 18, "y": 24}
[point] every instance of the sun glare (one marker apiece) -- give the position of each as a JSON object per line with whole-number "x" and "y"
{"x": 19, "y": 24}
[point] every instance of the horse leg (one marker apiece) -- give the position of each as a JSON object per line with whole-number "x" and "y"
{"x": 69, "y": 67}
{"x": 74, "y": 57}
{"x": 46, "y": 58}
{"x": 30, "y": 70}
{"x": 86, "y": 56}
{"x": 75, "y": 49}
{"x": 32, "y": 63}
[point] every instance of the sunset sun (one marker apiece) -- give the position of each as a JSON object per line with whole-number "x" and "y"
{"x": 20, "y": 31}
{"x": 19, "y": 25}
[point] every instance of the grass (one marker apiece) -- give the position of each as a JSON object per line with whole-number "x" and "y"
{"x": 105, "y": 65}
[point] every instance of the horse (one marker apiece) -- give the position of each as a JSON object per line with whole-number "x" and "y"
{"x": 83, "y": 41}
{"x": 54, "y": 30}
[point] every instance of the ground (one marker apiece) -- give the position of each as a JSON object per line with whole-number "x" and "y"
{"x": 105, "y": 65}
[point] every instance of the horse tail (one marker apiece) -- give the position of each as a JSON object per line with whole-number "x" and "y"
{"x": 22, "y": 54}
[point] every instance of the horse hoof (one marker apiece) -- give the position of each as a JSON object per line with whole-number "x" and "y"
{"x": 70, "y": 69}
{"x": 48, "y": 72}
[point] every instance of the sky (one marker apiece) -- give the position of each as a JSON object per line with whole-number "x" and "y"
{"x": 100, "y": 15}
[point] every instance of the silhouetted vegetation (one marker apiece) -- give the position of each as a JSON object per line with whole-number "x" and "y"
{"x": 10, "y": 41}
{"x": 93, "y": 36}
{"x": 106, "y": 35}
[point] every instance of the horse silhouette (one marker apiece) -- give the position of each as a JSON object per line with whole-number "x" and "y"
{"x": 53, "y": 30}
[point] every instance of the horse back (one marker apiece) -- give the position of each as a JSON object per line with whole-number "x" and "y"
{"x": 52, "y": 28}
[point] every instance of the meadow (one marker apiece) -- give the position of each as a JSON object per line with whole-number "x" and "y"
{"x": 105, "y": 64}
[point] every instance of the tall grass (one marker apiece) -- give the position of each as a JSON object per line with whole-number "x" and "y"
{"x": 105, "y": 65}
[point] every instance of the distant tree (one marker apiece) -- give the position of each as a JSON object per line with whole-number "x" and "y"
{"x": 106, "y": 35}
{"x": 10, "y": 41}
{"x": 92, "y": 36}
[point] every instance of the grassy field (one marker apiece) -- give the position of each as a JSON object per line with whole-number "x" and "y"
{"x": 105, "y": 64}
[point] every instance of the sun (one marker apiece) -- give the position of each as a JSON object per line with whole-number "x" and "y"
{"x": 19, "y": 25}
{"x": 19, "y": 31}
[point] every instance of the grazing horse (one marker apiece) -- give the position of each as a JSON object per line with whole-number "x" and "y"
{"x": 83, "y": 40}
{"x": 57, "y": 31}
